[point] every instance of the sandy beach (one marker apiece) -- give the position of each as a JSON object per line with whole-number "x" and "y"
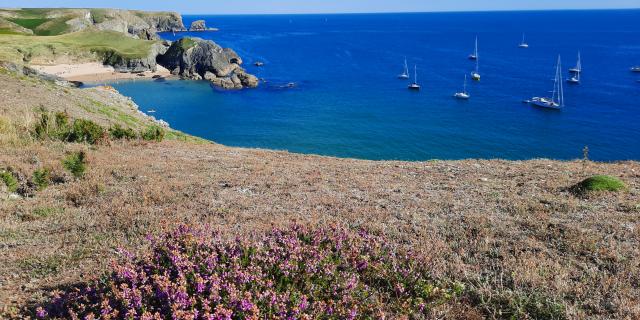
{"x": 95, "y": 72}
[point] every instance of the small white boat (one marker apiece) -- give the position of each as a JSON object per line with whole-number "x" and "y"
{"x": 474, "y": 55}
{"x": 415, "y": 85}
{"x": 556, "y": 101}
{"x": 475, "y": 75}
{"x": 464, "y": 95}
{"x": 635, "y": 69}
{"x": 574, "y": 79}
{"x": 405, "y": 72}
{"x": 523, "y": 44}
{"x": 578, "y": 67}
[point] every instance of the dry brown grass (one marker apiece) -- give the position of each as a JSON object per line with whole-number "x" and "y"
{"x": 511, "y": 231}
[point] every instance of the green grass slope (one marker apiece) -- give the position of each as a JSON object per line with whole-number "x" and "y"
{"x": 84, "y": 45}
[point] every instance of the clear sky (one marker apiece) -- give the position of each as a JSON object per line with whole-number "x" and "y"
{"x": 326, "y": 6}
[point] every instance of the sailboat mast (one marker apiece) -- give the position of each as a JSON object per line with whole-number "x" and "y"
{"x": 415, "y": 71}
{"x": 465, "y": 84}
{"x": 476, "y": 50}
{"x": 560, "y": 83}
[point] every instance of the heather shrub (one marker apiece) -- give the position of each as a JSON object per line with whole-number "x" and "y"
{"x": 9, "y": 180}
{"x": 41, "y": 178}
{"x": 153, "y": 133}
{"x": 296, "y": 273}
{"x": 118, "y": 132}
{"x": 76, "y": 163}
{"x": 85, "y": 131}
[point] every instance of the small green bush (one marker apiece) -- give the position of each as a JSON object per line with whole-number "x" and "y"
{"x": 41, "y": 178}
{"x": 153, "y": 133}
{"x": 9, "y": 180}
{"x": 76, "y": 163}
{"x": 118, "y": 132}
{"x": 41, "y": 129}
{"x": 85, "y": 131}
{"x": 600, "y": 183}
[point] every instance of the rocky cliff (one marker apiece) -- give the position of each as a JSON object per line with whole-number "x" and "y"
{"x": 194, "y": 58}
{"x": 137, "y": 24}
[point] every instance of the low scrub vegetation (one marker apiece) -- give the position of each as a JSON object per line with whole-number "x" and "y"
{"x": 59, "y": 127}
{"x": 153, "y": 133}
{"x": 294, "y": 273}
{"x": 599, "y": 183}
{"x": 41, "y": 178}
{"x": 117, "y": 132}
{"x": 9, "y": 180}
{"x": 76, "y": 163}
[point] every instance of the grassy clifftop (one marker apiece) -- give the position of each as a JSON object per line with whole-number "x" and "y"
{"x": 79, "y": 46}
{"x": 511, "y": 238}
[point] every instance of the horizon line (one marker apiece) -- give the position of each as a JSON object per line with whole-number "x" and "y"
{"x": 349, "y": 12}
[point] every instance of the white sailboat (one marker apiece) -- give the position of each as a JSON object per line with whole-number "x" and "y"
{"x": 415, "y": 85}
{"x": 405, "y": 73}
{"x": 464, "y": 95}
{"x": 523, "y": 44}
{"x": 475, "y": 75}
{"x": 556, "y": 101}
{"x": 474, "y": 55}
{"x": 578, "y": 67}
{"x": 635, "y": 69}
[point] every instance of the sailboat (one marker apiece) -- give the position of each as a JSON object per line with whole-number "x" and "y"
{"x": 415, "y": 85}
{"x": 475, "y": 75}
{"x": 405, "y": 73}
{"x": 635, "y": 69}
{"x": 574, "y": 79}
{"x": 474, "y": 55}
{"x": 578, "y": 67}
{"x": 557, "y": 97}
{"x": 523, "y": 44}
{"x": 463, "y": 95}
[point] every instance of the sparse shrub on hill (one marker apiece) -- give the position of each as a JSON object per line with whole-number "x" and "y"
{"x": 9, "y": 180}
{"x": 76, "y": 163}
{"x": 296, "y": 273}
{"x": 599, "y": 183}
{"x": 41, "y": 178}
{"x": 153, "y": 133}
{"x": 117, "y": 132}
{"x": 85, "y": 131}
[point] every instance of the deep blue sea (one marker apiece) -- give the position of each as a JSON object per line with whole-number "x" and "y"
{"x": 349, "y": 103}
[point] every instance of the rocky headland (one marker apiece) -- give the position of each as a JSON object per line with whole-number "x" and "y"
{"x": 198, "y": 59}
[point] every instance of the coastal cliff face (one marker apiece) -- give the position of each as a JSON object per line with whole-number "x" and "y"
{"x": 198, "y": 59}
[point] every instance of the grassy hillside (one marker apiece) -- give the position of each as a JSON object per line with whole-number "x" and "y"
{"x": 43, "y": 22}
{"x": 87, "y": 45}
{"x": 493, "y": 239}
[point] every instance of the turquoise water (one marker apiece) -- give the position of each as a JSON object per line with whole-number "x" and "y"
{"x": 349, "y": 103}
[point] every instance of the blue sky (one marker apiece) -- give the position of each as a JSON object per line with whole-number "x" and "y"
{"x": 327, "y": 6}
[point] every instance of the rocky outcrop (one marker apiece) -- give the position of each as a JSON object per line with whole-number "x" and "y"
{"x": 198, "y": 25}
{"x": 194, "y": 58}
{"x": 148, "y": 63}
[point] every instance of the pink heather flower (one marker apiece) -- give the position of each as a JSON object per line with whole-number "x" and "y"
{"x": 41, "y": 313}
{"x": 246, "y": 305}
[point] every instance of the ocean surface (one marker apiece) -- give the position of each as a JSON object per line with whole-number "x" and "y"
{"x": 348, "y": 101}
